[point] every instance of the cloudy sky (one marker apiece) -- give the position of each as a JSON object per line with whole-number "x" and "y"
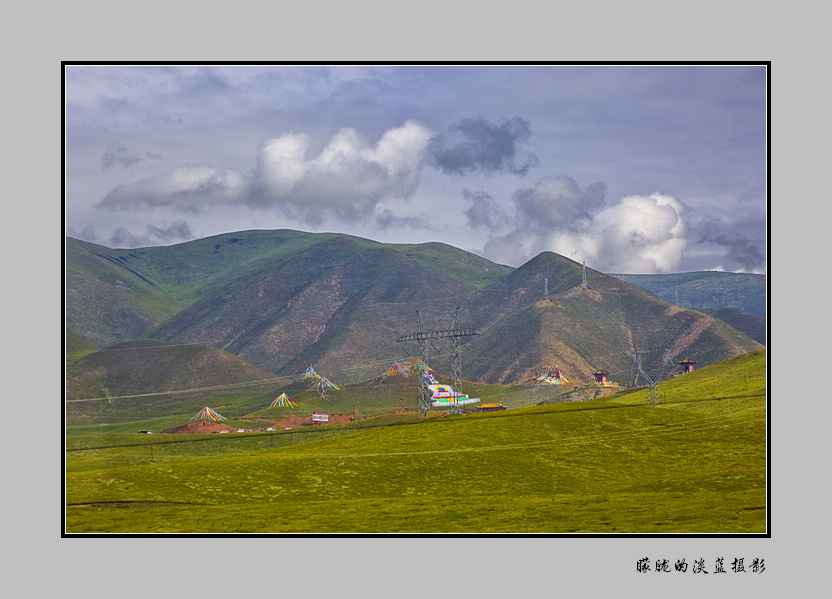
{"x": 633, "y": 169}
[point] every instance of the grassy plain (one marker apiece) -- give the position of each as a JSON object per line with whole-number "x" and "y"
{"x": 696, "y": 463}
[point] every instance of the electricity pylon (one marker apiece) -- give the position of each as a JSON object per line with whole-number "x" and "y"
{"x": 421, "y": 337}
{"x": 652, "y": 385}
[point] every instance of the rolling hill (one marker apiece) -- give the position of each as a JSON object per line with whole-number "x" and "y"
{"x": 282, "y": 300}
{"x": 156, "y": 377}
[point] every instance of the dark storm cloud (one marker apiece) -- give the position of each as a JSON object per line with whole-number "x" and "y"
{"x": 741, "y": 251}
{"x": 117, "y": 154}
{"x": 477, "y": 145}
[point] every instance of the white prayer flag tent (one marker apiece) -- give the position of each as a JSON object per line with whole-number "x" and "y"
{"x": 207, "y": 413}
{"x": 283, "y": 400}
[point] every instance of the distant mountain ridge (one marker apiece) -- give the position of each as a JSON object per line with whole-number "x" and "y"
{"x": 282, "y": 300}
{"x": 707, "y": 290}
{"x": 740, "y": 299}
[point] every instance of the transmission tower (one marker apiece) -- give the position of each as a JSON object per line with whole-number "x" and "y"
{"x": 652, "y": 385}
{"x": 421, "y": 337}
{"x": 637, "y": 365}
{"x": 546, "y": 289}
{"x": 583, "y": 277}
{"x": 422, "y": 353}
{"x": 456, "y": 365}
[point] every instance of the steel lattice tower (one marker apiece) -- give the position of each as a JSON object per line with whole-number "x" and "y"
{"x": 652, "y": 385}
{"x": 421, "y": 337}
{"x": 456, "y": 365}
{"x": 422, "y": 352}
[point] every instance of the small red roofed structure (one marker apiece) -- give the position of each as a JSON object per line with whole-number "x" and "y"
{"x": 601, "y": 376}
{"x": 687, "y": 366}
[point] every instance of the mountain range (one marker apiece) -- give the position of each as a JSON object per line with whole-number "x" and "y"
{"x": 284, "y": 300}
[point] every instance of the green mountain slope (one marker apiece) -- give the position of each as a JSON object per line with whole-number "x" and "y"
{"x": 296, "y": 310}
{"x": 115, "y": 295}
{"x": 284, "y": 300}
{"x": 582, "y": 330}
{"x": 108, "y": 299}
{"x": 149, "y": 376}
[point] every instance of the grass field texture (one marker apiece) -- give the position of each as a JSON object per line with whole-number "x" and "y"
{"x": 696, "y": 463}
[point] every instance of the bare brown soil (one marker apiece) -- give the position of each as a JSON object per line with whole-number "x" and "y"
{"x": 292, "y": 421}
{"x": 593, "y": 294}
{"x": 689, "y": 336}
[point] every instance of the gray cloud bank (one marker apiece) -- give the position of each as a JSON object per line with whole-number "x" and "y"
{"x": 476, "y": 144}
{"x": 742, "y": 254}
{"x": 347, "y": 179}
{"x": 117, "y": 154}
{"x": 351, "y": 178}
{"x": 430, "y": 153}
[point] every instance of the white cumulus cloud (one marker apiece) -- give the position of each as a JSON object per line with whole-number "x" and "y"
{"x": 189, "y": 188}
{"x": 348, "y": 178}
{"x": 638, "y": 234}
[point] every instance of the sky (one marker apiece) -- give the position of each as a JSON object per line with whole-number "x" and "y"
{"x": 645, "y": 168}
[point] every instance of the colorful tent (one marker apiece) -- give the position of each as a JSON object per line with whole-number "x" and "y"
{"x": 397, "y": 370}
{"x": 550, "y": 375}
{"x": 418, "y": 364}
{"x": 207, "y": 413}
{"x": 324, "y": 384}
{"x": 283, "y": 400}
{"x": 310, "y": 374}
{"x": 321, "y": 382}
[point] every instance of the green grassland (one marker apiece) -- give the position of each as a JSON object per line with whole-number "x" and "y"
{"x": 696, "y": 463}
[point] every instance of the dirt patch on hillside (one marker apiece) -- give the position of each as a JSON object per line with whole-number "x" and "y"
{"x": 290, "y": 421}
{"x": 197, "y": 428}
{"x": 690, "y": 335}
{"x": 593, "y": 294}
